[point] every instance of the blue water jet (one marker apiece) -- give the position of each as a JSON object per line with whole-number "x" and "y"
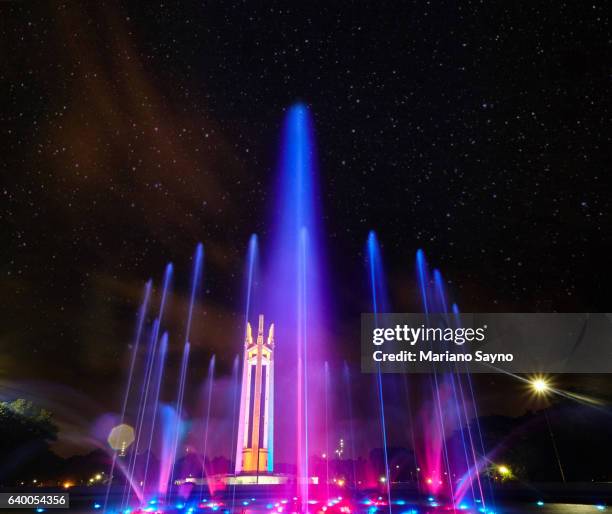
{"x": 251, "y": 273}
{"x": 294, "y": 298}
{"x": 177, "y": 432}
{"x": 145, "y": 409}
{"x": 379, "y": 301}
{"x": 159, "y": 375}
{"x": 209, "y": 388}
{"x": 195, "y": 282}
{"x": 349, "y": 401}
{"x": 142, "y": 313}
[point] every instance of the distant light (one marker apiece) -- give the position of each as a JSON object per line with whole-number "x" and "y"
{"x": 540, "y": 385}
{"x": 97, "y": 505}
{"x": 67, "y": 484}
{"x": 503, "y": 470}
{"x": 40, "y": 510}
{"x": 540, "y": 503}
{"x": 601, "y": 507}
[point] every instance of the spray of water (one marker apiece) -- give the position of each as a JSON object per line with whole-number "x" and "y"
{"x": 140, "y": 322}
{"x": 159, "y": 374}
{"x": 209, "y": 396}
{"x": 379, "y": 305}
{"x": 251, "y": 281}
{"x": 294, "y": 297}
{"x": 177, "y": 430}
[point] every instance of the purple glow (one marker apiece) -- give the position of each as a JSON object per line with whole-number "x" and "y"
{"x": 447, "y": 412}
{"x": 178, "y": 429}
{"x": 380, "y": 305}
{"x": 159, "y": 374}
{"x": 431, "y": 433}
{"x": 294, "y": 297}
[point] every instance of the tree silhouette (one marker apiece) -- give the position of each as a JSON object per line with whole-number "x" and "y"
{"x": 26, "y": 431}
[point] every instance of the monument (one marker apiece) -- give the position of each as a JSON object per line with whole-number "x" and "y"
{"x": 255, "y": 445}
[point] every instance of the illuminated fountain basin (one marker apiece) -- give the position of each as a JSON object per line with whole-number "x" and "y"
{"x": 258, "y": 501}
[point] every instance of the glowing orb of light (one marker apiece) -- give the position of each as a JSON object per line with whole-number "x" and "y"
{"x": 540, "y": 385}
{"x": 121, "y": 437}
{"x": 503, "y": 470}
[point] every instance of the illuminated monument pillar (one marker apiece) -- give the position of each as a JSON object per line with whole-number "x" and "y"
{"x": 254, "y": 449}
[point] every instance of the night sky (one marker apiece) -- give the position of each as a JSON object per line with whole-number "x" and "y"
{"x": 478, "y": 131}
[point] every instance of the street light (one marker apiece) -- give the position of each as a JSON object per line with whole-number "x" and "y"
{"x": 504, "y": 470}
{"x": 541, "y": 387}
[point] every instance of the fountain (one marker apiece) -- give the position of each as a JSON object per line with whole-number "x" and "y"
{"x": 282, "y": 400}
